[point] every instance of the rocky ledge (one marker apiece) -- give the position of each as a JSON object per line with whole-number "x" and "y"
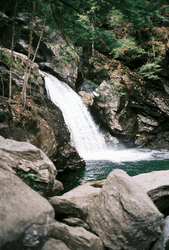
{"x": 41, "y": 122}
{"x": 118, "y": 210}
{"x": 116, "y": 213}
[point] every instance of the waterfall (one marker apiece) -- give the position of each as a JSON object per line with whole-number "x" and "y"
{"x": 85, "y": 135}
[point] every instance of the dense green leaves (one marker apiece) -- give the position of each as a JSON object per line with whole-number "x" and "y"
{"x": 85, "y": 21}
{"x": 89, "y": 23}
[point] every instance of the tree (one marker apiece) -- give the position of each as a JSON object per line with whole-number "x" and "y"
{"x": 87, "y": 23}
{"x": 75, "y": 19}
{"x": 28, "y": 65}
{"x": 12, "y": 49}
{"x": 30, "y": 62}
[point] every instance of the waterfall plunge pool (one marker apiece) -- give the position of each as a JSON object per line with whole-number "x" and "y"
{"x": 90, "y": 143}
{"x": 133, "y": 161}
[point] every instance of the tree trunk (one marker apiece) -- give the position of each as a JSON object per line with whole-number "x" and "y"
{"x": 23, "y": 94}
{"x": 12, "y": 49}
{"x": 28, "y": 70}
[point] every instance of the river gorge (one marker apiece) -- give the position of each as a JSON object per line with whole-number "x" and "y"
{"x": 84, "y": 125}
{"x": 101, "y": 158}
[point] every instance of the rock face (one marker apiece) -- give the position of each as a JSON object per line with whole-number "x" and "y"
{"x": 156, "y": 185}
{"x": 30, "y": 162}
{"x": 53, "y": 244}
{"x": 163, "y": 242}
{"x": 26, "y": 216}
{"x": 134, "y": 105}
{"x": 64, "y": 70}
{"x": 107, "y": 101}
{"x": 81, "y": 239}
{"x": 75, "y": 202}
{"x": 113, "y": 112}
{"x": 41, "y": 123}
{"x": 123, "y": 215}
{"x": 140, "y": 116}
{"x": 50, "y": 53}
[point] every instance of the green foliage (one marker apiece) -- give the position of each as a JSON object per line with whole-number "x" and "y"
{"x": 100, "y": 97}
{"x": 150, "y": 70}
{"x": 5, "y": 116}
{"x": 28, "y": 177}
{"x": 115, "y": 17}
{"x": 130, "y": 44}
{"x": 90, "y": 22}
{"x": 5, "y": 58}
{"x": 2, "y": 116}
{"x": 117, "y": 87}
{"x": 67, "y": 54}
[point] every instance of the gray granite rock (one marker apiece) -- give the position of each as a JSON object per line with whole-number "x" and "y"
{"x": 123, "y": 215}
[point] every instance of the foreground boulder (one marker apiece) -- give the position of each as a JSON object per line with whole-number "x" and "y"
{"x": 31, "y": 164}
{"x": 156, "y": 185}
{"x": 26, "y": 216}
{"x": 76, "y": 238}
{"x": 124, "y": 215}
{"x": 75, "y": 202}
{"x": 163, "y": 242}
{"x": 53, "y": 244}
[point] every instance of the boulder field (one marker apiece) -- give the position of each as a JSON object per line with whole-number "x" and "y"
{"x": 120, "y": 212}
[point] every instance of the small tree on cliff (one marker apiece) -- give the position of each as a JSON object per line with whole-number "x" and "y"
{"x": 30, "y": 62}
{"x": 28, "y": 65}
{"x": 12, "y": 49}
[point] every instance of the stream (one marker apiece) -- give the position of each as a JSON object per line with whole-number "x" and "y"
{"x": 86, "y": 137}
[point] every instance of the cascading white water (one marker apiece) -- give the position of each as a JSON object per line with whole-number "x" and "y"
{"x": 85, "y": 135}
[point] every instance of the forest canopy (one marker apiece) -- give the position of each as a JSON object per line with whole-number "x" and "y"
{"x": 90, "y": 24}
{"x": 85, "y": 20}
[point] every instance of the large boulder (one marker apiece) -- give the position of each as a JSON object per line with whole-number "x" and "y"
{"x": 156, "y": 185}
{"x": 53, "y": 244}
{"x": 75, "y": 202}
{"x": 123, "y": 215}
{"x": 107, "y": 103}
{"x": 31, "y": 164}
{"x": 111, "y": 106}
{"x": 76, "y": 238}
{"x": 25, "y": 216}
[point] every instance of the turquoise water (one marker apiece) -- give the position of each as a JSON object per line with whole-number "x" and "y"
{"x": 99, "y": 169}
{"x": 89, "y": 141}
